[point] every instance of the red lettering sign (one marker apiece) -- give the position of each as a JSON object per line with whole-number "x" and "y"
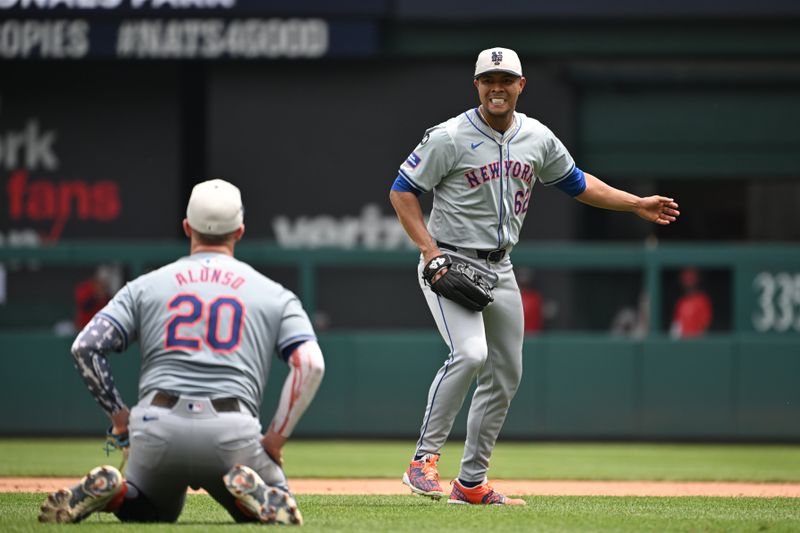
{"x": 58, "y": 202}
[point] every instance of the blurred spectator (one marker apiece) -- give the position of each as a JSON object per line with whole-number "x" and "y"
{"x": 693, "y": 310}
{"x": 92, "y": 294}
{"x": 633, "y": 321}
{"x": 321, "y": 320}
{"x": 531, "y": 301}
{"x": 3, "y": 289}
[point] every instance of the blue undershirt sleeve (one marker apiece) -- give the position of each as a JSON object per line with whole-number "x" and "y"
{"x": 574, "y": 183}
{"x": 403, "y": 185}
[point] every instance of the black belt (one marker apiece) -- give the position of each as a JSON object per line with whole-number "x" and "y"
{"x": 221, "y": 405}
{"x": 493, "y": 256}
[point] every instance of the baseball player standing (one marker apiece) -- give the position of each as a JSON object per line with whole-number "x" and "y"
{"x": 481, "y": 167}
{"x": 207, "y": 325}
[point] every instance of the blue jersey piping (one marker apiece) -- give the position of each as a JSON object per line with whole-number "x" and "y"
{"x": 466, "y": 114}
{"x": 502, "y": 201}
{"x": 446, "y": 368}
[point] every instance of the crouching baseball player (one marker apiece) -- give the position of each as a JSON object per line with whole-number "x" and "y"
{"x": 207, "y": 326}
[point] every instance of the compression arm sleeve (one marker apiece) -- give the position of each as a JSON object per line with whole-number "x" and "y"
{"x": 89, "y": 353}
{"x": 306, "y": 368}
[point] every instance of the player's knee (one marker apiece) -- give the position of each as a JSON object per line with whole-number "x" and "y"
{"x": 511, "y": 392}
{"x": 137, "y": 507}
{"x": 473, "y": 352}
{"x": 509, "y": 389}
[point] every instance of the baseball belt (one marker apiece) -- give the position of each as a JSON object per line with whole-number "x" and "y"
{"x": 221, "y": 405}
{"x": 492, "y": 256}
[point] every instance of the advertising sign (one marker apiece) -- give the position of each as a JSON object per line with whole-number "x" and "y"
{"x": 79, "y": 158}
{"x": 187, "y": 29}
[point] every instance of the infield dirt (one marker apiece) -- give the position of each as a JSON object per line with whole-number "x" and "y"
{"x": 516, "y": 487}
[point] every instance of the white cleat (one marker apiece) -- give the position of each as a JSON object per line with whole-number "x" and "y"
{"x": 92, "y": 494}
{"x": 270, "y": 505}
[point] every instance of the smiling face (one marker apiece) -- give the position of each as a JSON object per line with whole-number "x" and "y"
{"x": 498, "y": 93}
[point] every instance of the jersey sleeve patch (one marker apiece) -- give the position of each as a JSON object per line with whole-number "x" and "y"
{"x": 413, "y": 160}
{"x": 431, "y": 160}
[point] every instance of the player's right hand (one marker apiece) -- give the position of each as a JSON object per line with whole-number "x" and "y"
{"x": 658, "y": 209}
{"x": 430, "y": 254}
{"x": 272, "y": 443}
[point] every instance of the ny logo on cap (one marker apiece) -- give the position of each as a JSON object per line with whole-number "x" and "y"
{"x": 497, "y": 58}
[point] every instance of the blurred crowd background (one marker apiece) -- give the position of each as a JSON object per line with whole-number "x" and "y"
{"x": 111, "y": 110}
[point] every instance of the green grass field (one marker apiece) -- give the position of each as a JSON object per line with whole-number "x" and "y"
{"x": 515, "y": 460}
{"x": 332, "y": 459}
{"x": 410, "y": 513}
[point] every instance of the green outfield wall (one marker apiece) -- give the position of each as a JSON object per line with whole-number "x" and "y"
{"x": 738, "y": 387}
{"x": 743, "y": 384}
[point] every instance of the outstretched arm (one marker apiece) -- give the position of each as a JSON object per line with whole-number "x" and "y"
{"x": 657, "y": 209}
{"x": 306, "y": 368}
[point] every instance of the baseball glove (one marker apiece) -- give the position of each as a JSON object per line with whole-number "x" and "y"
{"x": 464, "y": 282}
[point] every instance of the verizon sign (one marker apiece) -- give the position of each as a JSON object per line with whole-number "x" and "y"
{"x": 371, "y": 229}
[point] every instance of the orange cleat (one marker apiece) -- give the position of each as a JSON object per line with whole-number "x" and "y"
{"x": 483, "y": 494}
{"x": 422, "y": 477}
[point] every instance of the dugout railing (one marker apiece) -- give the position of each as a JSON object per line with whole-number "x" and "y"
{"x": 765, "y": 279}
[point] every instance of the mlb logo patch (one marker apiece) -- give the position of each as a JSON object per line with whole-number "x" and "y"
{"x": 413, "y": 160}
{"x": 195, "y": 407}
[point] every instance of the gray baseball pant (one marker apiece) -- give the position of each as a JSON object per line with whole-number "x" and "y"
{"x": 484, "y": 346}
{"x": 189, "y": 445}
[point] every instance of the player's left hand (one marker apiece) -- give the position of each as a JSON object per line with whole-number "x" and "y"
{"x": 117, "y": 437}
{"x": 116, "y": 441}
{"x": 658, "y": 209}
{"x": 273, "y": 444}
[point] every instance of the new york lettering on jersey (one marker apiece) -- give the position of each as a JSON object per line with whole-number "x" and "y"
{"x": 517, "y": 170}
{"x": 474, "y": 167}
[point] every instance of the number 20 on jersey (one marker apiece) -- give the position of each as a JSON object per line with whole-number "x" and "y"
{"x": 224, "y": 317}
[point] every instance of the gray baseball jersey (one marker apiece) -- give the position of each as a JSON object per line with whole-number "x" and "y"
{"x": 208, "y": 325}
{"x": 482, "y": 179}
